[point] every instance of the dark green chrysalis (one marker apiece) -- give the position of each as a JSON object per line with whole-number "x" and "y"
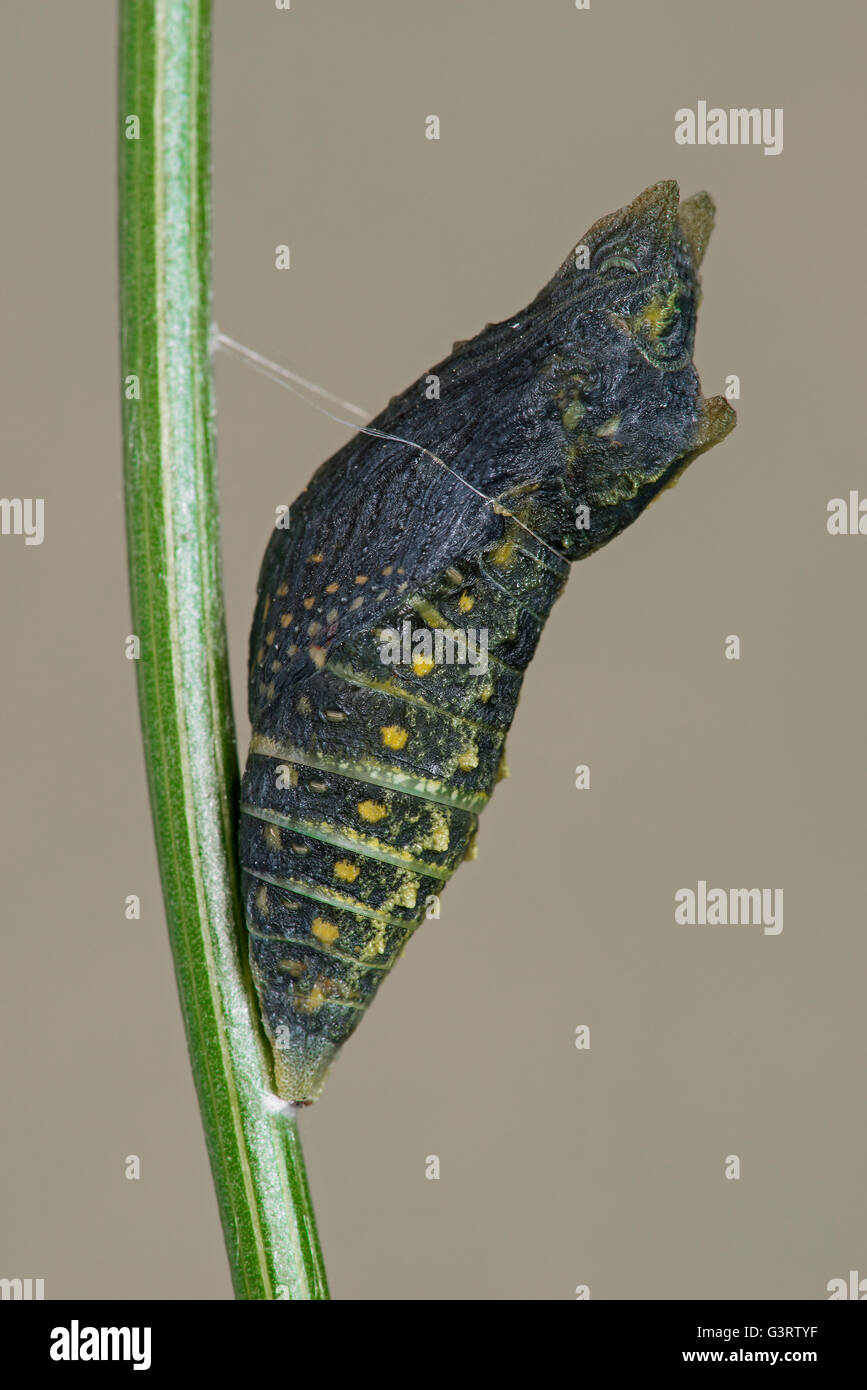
{"x": 375, "y": 745}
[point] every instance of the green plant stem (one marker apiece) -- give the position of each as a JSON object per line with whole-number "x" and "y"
{"x": 178, "y": 616}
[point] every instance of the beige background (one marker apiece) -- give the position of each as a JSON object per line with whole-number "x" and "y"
{"x": 558, "y": 1167}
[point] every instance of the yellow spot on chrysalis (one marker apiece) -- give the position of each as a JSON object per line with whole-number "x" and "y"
{"x": 426, "y": 611}
{"x": 658, "y": 314}
{"x": 283, "y": 591}
{"x": 270, "y": 692}
{"x": 486, "y": 692}
{"x": 346, "y": 871}
{"x": 422, "y": 664}
{"x": 326, "y": 932}
{"x": 608, "y": 427}
{"x": 317, "y": 655}
{"x": 393, "y": 736}
{"x": 331, "y": 615}
{"x": 502, "y": 768}
{"x": 331, "y": 588}
{"x": 313, "y": 628}
{"x": 407, "y": 895}
{"x": 304, "y": 706}
{"x": 573, "y": 413}
{"x": 503, "y": 553}
{"x": 272, "y": 836}
{"x": 361, "y": 578}
{"x": 269, "y": 637}
{"x": 468, "y": 760}
{"x": 275, "y": 666}
{"x": 295, "y": 968}
{"x": 356, "y": 603}
{"x": 286, "y": 619}
{"x": 439, "y": 834}
{"x": 292, "y": 649}
{"x": 389, "y": 569}
{"x": 375, "y": 944}
{"x": 262, "y": 898}
{"x": 316, "y": 998}
{"x": 267, "y": 605}
{"x": 260, "y": 655}
{"x": 314, "y": 559}
{"x": 371, "y": 811}
{"x": 465, "y": 603}
{"x": 308, "y": 603}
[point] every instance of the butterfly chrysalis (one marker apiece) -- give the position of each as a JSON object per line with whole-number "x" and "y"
{"x": 399, "y": 608}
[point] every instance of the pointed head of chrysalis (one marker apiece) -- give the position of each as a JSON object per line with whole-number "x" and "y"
{"x": 630, "y": 400}
{"x": 589, "y": 397}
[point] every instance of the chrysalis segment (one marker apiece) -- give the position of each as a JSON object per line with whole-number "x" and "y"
{"x": 397, "y": 614}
